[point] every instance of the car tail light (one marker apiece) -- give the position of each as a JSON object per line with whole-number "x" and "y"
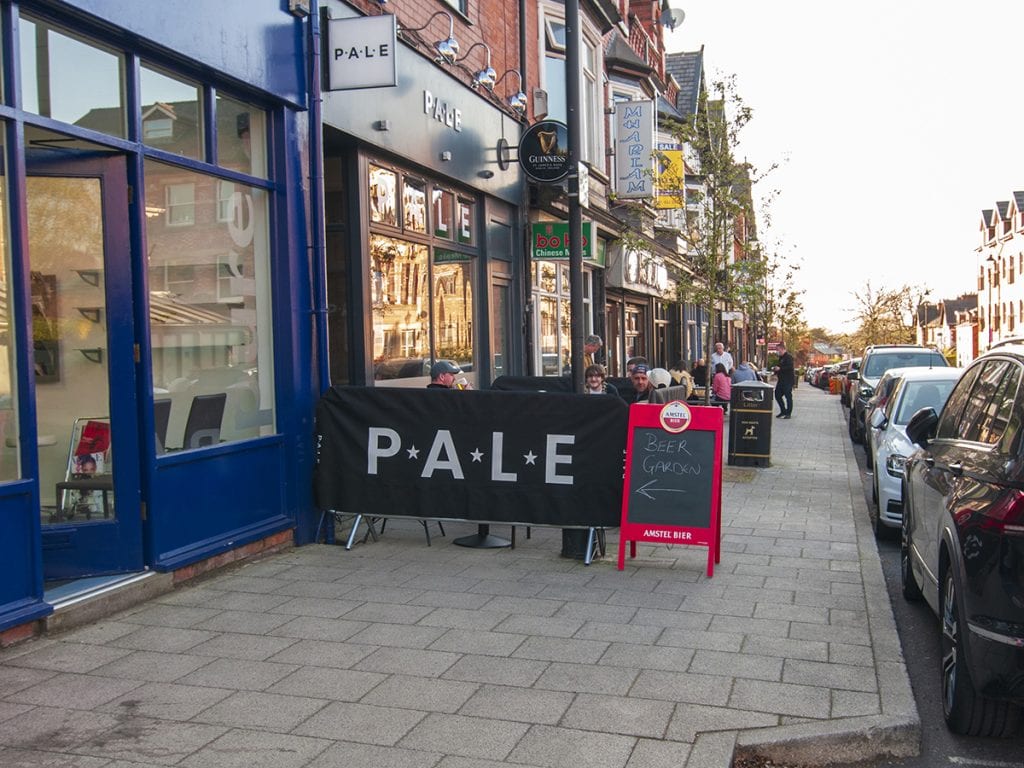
{"x": 1007, "y": 513}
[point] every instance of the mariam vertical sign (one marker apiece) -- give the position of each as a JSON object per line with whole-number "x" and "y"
{"x": 634, "y": 145}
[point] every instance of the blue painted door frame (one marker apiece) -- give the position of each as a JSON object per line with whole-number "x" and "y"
{"x": 104, "y": 545}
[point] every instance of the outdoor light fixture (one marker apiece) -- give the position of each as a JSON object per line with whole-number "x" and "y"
{"x": 517, "y": 100}
{"x": 485, "y": 77}
{"x": 447, "y": 50}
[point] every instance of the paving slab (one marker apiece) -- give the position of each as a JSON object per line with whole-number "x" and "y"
{"x": 396, "y": 654}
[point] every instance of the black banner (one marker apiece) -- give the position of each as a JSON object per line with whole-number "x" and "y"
{"x": 512, "y": 457}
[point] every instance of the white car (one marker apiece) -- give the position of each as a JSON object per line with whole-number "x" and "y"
{"x": 916, "y": 388}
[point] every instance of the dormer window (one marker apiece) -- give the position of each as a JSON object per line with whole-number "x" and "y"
{"x": 157, "y": 128}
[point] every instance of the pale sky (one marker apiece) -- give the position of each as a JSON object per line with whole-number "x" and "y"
{"x": 894, "y": 123}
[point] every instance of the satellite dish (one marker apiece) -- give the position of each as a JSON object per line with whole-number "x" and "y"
{"x": 672, "y": 18}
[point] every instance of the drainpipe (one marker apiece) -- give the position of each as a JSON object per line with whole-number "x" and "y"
{"x": 316, "y": 204}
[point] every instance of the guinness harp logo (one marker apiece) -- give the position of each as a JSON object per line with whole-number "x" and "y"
{"x": 543, "y": 151}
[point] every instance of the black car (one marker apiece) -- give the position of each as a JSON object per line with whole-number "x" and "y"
{"x": 876, "y": 361}
{"x": 962, "y": 543}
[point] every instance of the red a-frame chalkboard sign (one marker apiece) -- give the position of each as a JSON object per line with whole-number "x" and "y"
{"x": 672, "y": 493}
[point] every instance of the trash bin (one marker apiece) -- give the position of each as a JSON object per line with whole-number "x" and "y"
{"x": 750, "y": 424}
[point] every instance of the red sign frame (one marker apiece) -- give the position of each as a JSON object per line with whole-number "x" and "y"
{"x": 667, "y": 418}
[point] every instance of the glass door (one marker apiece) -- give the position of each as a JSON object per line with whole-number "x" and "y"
{"x": 84, "y": 357}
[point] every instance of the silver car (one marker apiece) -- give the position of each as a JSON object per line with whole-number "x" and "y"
{"x": 915, "y": 388}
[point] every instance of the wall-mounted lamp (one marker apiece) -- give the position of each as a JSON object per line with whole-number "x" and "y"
{"x": 485, "y": 77}
{"x": 447, "y": 50}
{"x": 518, "y": 99}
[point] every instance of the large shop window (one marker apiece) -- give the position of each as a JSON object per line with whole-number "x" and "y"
{"x": 9, "y": 456}
{"x": 210, "y": 320}
{"x": 422, "y": 259}
{"x": 552, "y": 315}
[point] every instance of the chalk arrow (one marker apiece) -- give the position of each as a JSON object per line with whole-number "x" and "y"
{"x": 647, "y": 490}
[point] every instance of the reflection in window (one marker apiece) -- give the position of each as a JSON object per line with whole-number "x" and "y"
{"x": 443, "y": 202}
{"x": 552, "y": 323}
{"x": 70, "y": 80}
{"x": 414, "y": 206}
{"x": 210, "y": 314}
{"x": 401, "y": 320}
{"x": 172, "y": 118}
{"x": 453, "y": 307}
{"x": 465, "y": 222}
{"x": 181, "y": 205}
{"x": 241, "y": 137}
{"x": 9, "y": 456}
{"x": 383, "y": 203}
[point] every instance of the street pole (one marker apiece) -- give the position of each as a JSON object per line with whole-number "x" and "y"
{"x": 573, "y": 124}
{"x": 574, "y": 539}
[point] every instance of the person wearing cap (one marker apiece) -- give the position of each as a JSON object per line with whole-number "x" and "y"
{"x": 442, "y": 375}
{"x": 632, "y": 362}
{"x": 642, "y": 385}
{"x": 590, "y": 346}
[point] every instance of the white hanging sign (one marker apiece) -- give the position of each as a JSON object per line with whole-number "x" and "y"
{"x": 361, "y": 52}
{"x": 634, "y": 142}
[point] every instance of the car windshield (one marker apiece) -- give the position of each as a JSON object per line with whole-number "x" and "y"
{"x": 879, "y": 364}
{"x": 922, "y": 394}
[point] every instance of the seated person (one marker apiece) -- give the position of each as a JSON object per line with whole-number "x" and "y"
{"x": 744, "y": 372}
{"x": 721, "y": 386}
{"x": 642, "y": 386}
{"x": 699, "y": 372}
{"x": 594, "y": 381}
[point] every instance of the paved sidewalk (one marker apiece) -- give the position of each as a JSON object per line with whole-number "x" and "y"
{"x": 399, "y": 654}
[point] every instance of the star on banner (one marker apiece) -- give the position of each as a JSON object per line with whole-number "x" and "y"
{"x": 413, "y": 452}
{"x": 530, "y": 457}
{"x": 477, "y": 456}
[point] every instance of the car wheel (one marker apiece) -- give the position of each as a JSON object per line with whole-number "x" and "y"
{"x": 911, "y": 591}
{"x": 869, "y": 459}
{"x": 855, "y": 434}
{"x": 965, "y": 711}
{"x": 874, "y": 493}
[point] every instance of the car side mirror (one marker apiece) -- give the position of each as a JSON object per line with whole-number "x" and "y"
{"x": 921, "y": 427}
{"x": 878, "y": 419}
{"x": 853, "y": 376}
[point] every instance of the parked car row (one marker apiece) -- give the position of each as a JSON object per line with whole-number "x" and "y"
{"x": 947, "y": 447}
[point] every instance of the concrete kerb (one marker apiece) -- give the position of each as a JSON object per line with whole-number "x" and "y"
{"x": 896, "y": 731}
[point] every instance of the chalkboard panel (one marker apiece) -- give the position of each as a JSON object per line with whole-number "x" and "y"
{"x": 671, "y": 478}
{"x": 672, "y": 492}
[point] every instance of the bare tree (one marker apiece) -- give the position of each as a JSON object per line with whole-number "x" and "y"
{"x": 885, "y": 315}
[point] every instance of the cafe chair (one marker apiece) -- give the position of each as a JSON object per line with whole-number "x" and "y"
{"x": 204, "y": 419}
{"x": 161, "y": 418}
{"x": 88, "y": 484}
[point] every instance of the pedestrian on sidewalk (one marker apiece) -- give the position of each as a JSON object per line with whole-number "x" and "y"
{"x": 785, "y": 373}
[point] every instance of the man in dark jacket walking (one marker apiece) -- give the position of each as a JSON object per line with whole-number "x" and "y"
{"x": 786, "y": 379}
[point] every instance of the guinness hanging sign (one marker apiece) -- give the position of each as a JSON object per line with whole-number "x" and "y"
{"x": 544, "y": 151}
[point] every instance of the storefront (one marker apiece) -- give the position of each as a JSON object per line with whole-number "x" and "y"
{"x": 642, "y": 317}
{"x": 422, "y": 212}
{"x": 155, "y": 381}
